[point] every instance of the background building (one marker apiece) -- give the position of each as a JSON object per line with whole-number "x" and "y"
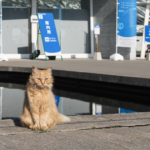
{"x": 74, "y": 21}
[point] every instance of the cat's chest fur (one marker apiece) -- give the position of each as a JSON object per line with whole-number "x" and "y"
{"x": 39, "y": 97}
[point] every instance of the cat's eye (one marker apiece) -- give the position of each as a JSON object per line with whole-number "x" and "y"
{"x": 46, "y": 78}
{"x": 39, "y": 78}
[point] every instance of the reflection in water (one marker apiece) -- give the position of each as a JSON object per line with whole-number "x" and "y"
{"x": 1, "y": 102}
{"x": 12, "y": 97}
{"x": 13, "y": 104}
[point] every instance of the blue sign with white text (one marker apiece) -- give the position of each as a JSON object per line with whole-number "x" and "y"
{"x": 49, "y": 34}
{"x": 147, "y": 34}
{"x": 97, "y": 26}
{"x": 97, "y": 29}
{"x": 127, "y": 21}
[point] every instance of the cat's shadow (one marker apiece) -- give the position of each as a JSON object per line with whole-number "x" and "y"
{"x": 15, "y": 120}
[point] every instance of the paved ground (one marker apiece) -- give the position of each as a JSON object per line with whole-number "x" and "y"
{"x": 122, "y": 72}
{"x": 105, "y": 132}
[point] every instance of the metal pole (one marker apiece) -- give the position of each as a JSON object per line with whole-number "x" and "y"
{"x": 92, "y": 27}
{"x": 117, "y": 25}
{"x": 96, "y": 43}
{"x": 146, "y": 22}
{"x": 1, "y": 89}
{"x": 60, "y": 25}
{"x": 61, "y": 105}
{"x": 34, "y": 28}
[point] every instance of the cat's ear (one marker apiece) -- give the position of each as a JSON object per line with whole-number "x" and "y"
{"x": 49, "y": 69}
{"x": 34, "y": 70}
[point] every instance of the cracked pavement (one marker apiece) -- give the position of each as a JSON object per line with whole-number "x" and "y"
{"x": 117, "y": 131}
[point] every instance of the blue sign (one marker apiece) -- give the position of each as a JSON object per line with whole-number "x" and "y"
{"x": 147, "y": 34}
{"x": 97, "y": 29}
{"x": 127, "y": 21}
{"x": 97, "y": 26}
{"x": 49, "y": 34}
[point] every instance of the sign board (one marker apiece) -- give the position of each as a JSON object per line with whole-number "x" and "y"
{"x": 97, "y": 29}
{"x": 49, "y": 34}
{"x": 127, "y": 23}
{"x": 34, "y": 19}
{"x": 147, "y": 34}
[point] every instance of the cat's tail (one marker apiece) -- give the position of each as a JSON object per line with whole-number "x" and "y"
{"x": 62, "y": 118}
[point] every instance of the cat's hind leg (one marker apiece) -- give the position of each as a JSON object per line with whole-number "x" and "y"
{"x": 51, "y": 123}
{"x": 26, "y": 119}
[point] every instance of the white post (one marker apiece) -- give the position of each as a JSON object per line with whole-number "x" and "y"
{"x": 1, "y": 89}
{"x": 92, "y": 27}
{"x": 116, "y": 26}
{"x": 146, "y": 22}
{"x": 33, "y": 24}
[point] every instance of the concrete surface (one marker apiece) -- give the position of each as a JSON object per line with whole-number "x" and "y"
{"x": 110, "y": 132}
{"x": 123, "y": 72}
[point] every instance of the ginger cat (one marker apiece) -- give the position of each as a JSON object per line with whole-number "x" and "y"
{"x": 40, "y": 110}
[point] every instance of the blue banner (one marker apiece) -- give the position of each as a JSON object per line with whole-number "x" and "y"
{"x": 147, "y": 34}
{"x": 127, "y": 23}
{"x": 127, "y": 13}
{"x": 49, "y": 34}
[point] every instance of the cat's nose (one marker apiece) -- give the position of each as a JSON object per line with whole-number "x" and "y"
{"x": 42, "y": 83}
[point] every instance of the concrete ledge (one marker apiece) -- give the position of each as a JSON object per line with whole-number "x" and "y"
{"x": 135, "y": 73}
{"x": 87, "y": 76}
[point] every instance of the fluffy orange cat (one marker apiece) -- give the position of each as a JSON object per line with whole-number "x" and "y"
{"x": 40, "y": 110}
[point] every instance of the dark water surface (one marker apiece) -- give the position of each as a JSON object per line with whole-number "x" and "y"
{"x": 69, "y": 102}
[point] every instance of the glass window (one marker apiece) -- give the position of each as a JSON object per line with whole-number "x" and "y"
{"x": 16, "y": 3}
{"x": 63, "y": 4}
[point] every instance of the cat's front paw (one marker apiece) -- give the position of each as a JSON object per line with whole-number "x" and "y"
{"x": 36, "y": 127}
{"x": 44, "y": 128}
{"x": 31, "y": 126}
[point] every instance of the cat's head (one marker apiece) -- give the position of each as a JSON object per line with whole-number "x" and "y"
{"x": 42, "y": 78}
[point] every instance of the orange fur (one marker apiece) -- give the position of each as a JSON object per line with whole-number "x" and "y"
{"x": 39, "y": 110}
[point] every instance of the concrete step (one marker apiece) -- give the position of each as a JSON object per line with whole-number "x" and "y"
{"x": 12, "y": 127}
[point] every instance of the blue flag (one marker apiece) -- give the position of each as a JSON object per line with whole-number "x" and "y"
{"x": 127, "y": 23}
{"x": 147, "y": 34}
